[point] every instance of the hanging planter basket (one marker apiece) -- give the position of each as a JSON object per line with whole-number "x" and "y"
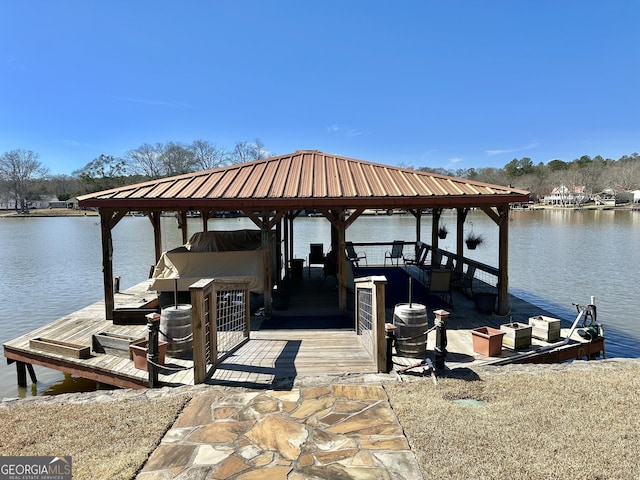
{"x": 473, "y": 241}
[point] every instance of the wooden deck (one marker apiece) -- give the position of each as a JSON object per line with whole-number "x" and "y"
{"x": 271, "y": 357}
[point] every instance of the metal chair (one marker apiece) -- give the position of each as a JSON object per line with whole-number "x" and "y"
{"x": 353, "y": 256}
{"x": 316, "y": 256}
{"x": 440, "y": 284}
{"x": 422, "y": 250}
{"x": 395, "y": 253}
{"x": 465, "y": 282}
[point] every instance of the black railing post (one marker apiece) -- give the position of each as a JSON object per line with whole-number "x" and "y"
{"x": 153, "y": 325}
{"x": 441, "y": 338}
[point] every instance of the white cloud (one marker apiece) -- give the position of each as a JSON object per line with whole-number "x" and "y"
{"x": 155, "y": 103}
{"x": 530, "y": 146}
{"x": 346, "y": 131}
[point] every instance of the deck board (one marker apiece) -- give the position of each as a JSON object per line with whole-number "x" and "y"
{"x": 269, "y": 355}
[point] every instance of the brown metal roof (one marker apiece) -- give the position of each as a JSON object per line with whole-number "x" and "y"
{"x": 302, "y": 180}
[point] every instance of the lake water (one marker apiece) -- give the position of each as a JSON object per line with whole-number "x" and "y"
{"x": 50, "y": 267}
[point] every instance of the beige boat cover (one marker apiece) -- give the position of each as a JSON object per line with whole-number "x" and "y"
{"x": 224, "y": 241}
{"x": 189, "y": 267}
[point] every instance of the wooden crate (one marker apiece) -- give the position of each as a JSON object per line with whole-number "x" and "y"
{"x": 517, "y": 335}
{"x": 545, "y": 328}
{"x": 114, "y": 344}
{"x": 61, "y": 348}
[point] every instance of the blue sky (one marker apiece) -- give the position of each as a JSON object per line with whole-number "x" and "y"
{"x": 450, "y": 84}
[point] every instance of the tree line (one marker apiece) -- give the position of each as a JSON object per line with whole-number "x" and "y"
{"x": 596, "y": 174}
{"x": 23, "y": 178}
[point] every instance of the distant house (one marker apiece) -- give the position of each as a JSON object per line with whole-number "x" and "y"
{"x": 72, "y": 203}
{"x": 636, "y": 196}
{"x": 607, "y": 197}
{"x": 610, "y": 197}
{"x": 7, "y": 204}
{"x": 565, "y": 196}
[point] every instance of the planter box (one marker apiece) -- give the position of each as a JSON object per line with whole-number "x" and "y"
{"x": 114, "y": 344}
{"x": 487, "y": 341}
{"x": 139, "y": 354}
{"x": 545, "y": 328}
{"x": 485, "y": 301}
{"x": 61, "y": 348}
{"x": 516, "y": 335}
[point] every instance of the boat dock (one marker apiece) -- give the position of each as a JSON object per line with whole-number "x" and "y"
{"x": 274, "y": 356}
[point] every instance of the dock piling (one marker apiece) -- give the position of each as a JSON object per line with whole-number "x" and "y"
{"x": 21, "y": 369}
{"x": 153, "y": 325}
{"x": 441, "y": 338}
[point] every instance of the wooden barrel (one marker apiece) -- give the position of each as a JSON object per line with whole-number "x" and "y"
{"x": 411, "y": 326}
{"x": 175, "y": 329}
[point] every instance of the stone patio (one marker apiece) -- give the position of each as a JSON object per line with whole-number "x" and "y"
{"x": 319, "y": 432}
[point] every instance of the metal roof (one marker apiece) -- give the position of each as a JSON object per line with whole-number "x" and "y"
{"x": 302, "y": 180}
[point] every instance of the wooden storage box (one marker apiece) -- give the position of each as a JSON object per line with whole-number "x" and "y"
{"x": 114, "y": 344}
{"x": 516, "y": 335}
{"x": 132, "y": 316}
{"x": 545, "y": 328}
{"x": 487, "y": 341}
{"x": 61, "y": 348}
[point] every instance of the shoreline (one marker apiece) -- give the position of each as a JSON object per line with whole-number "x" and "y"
{"x": 67, "y": 212}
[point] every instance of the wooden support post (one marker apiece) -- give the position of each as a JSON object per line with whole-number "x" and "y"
{"x": 266, "y": 248}
{"x": 155, "y": 217}
{"x": 21, "y": 370}
{"x": 153, "y": 326}
{"x": 503, "y": 261}
{"x": 441, "y": 338}
{"x": 32, "y": 373}
{"x": 435, "y": 222}
{"x": 341, "y": 261}
{"x": 107, "y": 262}
{"x": 184, "y": 226}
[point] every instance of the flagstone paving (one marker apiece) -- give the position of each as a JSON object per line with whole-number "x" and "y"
{"x": 322, "y": 432}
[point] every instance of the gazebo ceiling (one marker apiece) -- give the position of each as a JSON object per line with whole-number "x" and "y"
{"x": 302, "y": 180}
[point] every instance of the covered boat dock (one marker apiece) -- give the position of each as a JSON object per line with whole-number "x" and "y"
{"x": 273, "y": 192}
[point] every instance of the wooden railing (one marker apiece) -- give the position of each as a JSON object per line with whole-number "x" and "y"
{"x": 220, "y": 321}
{"x": 370, "y": 317}
{"x": 485, "y": 276}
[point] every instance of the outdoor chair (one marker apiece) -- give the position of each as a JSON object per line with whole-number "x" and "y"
{"x": 316, "y": 256}
{"x": 450, "y": 265}
{"x": 395, "y": 254}
{"x": 353, "y": 256}
{"x": 330, "y": 268}
{"x": 422, "y": 250}
{"x": 465, "y": 281}
{"x": 440, "y": 284}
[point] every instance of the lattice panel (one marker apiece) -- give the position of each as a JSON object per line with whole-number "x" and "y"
{"x": 231, "y": 317}
{"x": 365, "y": 316}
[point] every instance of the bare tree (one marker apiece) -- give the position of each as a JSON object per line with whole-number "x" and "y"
{"x": 63, "y": 186}
{"x": 177, "y": 159}
{"x": 208, "y": 155}
{"x": 247, "y": 152}
{"x": 146, "y": 160}
{"x": 20, "y": 169}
